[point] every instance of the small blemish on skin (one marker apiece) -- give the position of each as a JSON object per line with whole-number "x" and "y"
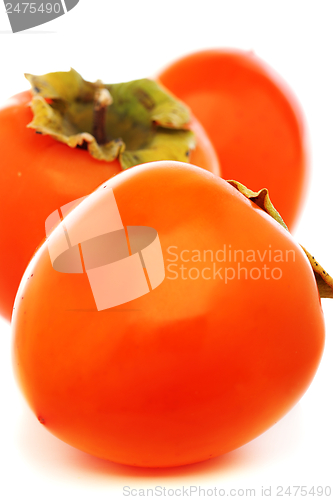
{"x": 19, "y": 174}
{"x": 41, "y": 419}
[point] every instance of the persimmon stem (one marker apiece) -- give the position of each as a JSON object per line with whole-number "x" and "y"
{"x": 102, "y": 100}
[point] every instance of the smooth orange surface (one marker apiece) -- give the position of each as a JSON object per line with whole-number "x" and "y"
{"x": 252, "y": 118}
{"x": 193, "y": 369}
{"x": 39, "y": 174}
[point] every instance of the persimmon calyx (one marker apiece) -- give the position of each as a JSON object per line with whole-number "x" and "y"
{"x": 262, "y": 200}
{"x": 324, "y": 280}
{"x": 136, "y": 122}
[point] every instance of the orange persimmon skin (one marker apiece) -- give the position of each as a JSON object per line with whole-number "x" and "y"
{"x": 252, "y": 118}
{"x": 194, "y": 368}
{"x": 37, "y": 175}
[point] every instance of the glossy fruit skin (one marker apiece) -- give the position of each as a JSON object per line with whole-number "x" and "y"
{"x": 252, "y": 118}
{"x": 39, "y": 174}
{"x": 191, "y": 370}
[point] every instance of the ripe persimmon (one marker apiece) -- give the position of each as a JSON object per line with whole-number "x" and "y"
{"x": 39, "y": 172}
{"x": 252, "y": 118}
{"x": 224, "y": 340}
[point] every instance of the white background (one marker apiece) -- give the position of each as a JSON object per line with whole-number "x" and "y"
{"x": 125, "y": 40}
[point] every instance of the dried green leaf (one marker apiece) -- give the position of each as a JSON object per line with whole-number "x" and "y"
{"x": 65, "y": 85}
{"x": 260, "y": 198}
{"x": 50, "y": 121}
{"x": 174, "y": 145}
{"x": 324, "y": 280}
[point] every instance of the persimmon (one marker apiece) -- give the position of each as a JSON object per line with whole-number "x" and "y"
{"x": 219, "y": 343}
{"x": 39, "y": 171}
{"x": 252, "y": 118}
